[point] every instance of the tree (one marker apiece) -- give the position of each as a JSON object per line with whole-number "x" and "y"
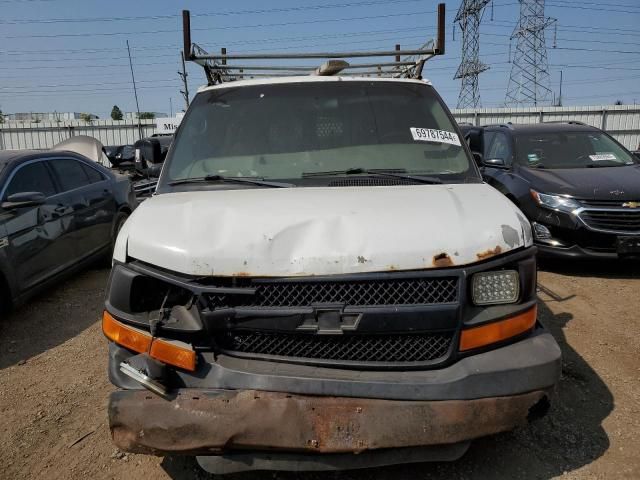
{"x": 1, "y": 117}
{"x": 147, "y": 116}
{"x": 618, "y": 102}
{"x": 116, "y": 113}
{"x": 86, "y": 117}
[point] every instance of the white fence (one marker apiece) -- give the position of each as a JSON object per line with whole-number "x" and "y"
{"x": 18, "y": 135}
{"x": 620, "y": 121}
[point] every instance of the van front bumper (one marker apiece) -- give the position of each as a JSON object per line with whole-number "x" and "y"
{"x": 479, "y": 395}
{"x": 197, "y": 422}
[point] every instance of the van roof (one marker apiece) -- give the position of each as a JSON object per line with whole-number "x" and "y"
{"x": 309, "y": 79}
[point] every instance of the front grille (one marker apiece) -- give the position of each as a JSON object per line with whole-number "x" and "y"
{"x": 605, "y": 203}
{"x": 627, "y": 221}
{"x": 371, "y": 182}
{"x": 349, "y": 348}
{"x": 407, "y": 291}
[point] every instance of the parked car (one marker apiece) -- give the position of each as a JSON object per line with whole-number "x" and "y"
{"x": 119, "y": 155}
{"x": 60, "y": 211}
{"x": 150, "y": 153}
{"x": 578, "y": 186}
{"x": 323, "y": 273}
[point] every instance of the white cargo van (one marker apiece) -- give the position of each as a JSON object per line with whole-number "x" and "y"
{"x": 321, "y": 281}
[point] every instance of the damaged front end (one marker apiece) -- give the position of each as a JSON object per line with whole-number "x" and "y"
{"x": 331, "y": 365}
{"x": 226, "y": 421}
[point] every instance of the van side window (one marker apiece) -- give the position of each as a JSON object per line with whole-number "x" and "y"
{"x": 34, "y": 177}
{"x": 500, "y": 148}
{"x": 70, "y": 173}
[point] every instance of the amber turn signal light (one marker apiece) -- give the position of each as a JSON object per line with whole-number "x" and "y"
{"x": 129, "y": 337}
{"x": 173, "y": 353}
{"x": 484, "y": 335}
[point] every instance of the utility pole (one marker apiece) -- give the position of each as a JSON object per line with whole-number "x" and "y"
{"x": 135, "y": 92}
{"x": 560, "y": 94}
{"x": 468, "y": 17}
{"x": 529, "y": 79}
{"x": 183, "y": 76}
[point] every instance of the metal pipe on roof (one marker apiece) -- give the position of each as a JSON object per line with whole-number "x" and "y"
{"x": 285, "y": 56}
{"x": 309, "y": 68}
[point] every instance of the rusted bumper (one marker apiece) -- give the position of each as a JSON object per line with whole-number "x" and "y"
{"x": 198, "y": 422}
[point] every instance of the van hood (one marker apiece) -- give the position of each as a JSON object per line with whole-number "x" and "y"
{"x": 607, "y": 183}
{"x": 322, "y": 231}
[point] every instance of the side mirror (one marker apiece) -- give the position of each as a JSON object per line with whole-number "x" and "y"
{"x": 24, "y": 199}
{"x": 477, "y": 157}
{"x": 148, "y": 151}
{"x": 495, "y": 162}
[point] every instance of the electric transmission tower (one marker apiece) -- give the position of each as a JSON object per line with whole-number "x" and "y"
{"x": 529, "y": 80}
{"x": 468, "y": 17}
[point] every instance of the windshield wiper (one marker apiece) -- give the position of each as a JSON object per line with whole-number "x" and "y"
{"x": 376, "y": 172}
{"x": 599, "y": 165}
{"x": 220, "y": 178}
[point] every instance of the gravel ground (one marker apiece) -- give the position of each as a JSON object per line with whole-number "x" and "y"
{"x": 54, "y": 389}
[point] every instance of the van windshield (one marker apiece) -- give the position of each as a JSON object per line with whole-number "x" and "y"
{"x": 570, "y": 150}
{"x": 282, "y": 131}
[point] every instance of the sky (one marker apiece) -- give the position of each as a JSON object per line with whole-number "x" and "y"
{"x": 71, "y": 55}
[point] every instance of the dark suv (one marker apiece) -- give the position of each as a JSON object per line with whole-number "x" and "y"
{"x": 577, "y": 185}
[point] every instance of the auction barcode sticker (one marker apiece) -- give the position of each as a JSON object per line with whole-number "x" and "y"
{"x": 431, "y": 135}
{"x": 601, "y": 157}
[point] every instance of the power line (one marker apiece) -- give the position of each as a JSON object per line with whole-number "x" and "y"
{"x": 225, "y": 27}
{"x": 577, "y": 6}
{"x": 209, "y": 14}
{"x": 89, "y": 90}
{"x": 390, "y": 39}
{"x": 394, "y": 38}
{"x": 637, "y": 52}
{"x": 494, "y": 24}
{"x": 599, "y": 29}
{"x": 84, "y": 84}
{"x": 237, "y": 42}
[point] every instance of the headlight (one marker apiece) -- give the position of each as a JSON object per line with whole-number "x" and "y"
{"x": 556, "y": 202}
{"x": 501, "y": 286}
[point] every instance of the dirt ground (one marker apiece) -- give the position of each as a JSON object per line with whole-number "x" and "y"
{"x": 54, "y": 389}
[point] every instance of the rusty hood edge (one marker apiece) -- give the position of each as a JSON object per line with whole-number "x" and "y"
{"x": 322, "y": 231}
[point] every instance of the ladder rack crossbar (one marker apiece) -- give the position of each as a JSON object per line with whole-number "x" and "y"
{"x": 310, "y": 68}
{"x": 312, "y": 55}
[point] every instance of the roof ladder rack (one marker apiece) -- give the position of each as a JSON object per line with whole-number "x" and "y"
{"x": 218, "y": 69}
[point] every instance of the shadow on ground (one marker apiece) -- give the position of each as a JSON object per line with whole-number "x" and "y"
{"x": 623, "y": 268}
{"x": 570, "y": 437}
{"x": 53, "y": 317}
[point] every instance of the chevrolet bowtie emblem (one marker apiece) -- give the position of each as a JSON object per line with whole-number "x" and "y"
{"x": 631, "y": 204}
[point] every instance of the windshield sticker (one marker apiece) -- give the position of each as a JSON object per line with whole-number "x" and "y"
{"x": 603, "y": 157}
{"x": 533, "y": 157}
{"x": 436, "y": 136}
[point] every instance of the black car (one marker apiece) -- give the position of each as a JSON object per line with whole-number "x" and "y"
{"x": 59, "y": 212}
{"x": 119, "y": 154}
{"x": 577, "y": 185}
{"x": 151, "y": 152}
